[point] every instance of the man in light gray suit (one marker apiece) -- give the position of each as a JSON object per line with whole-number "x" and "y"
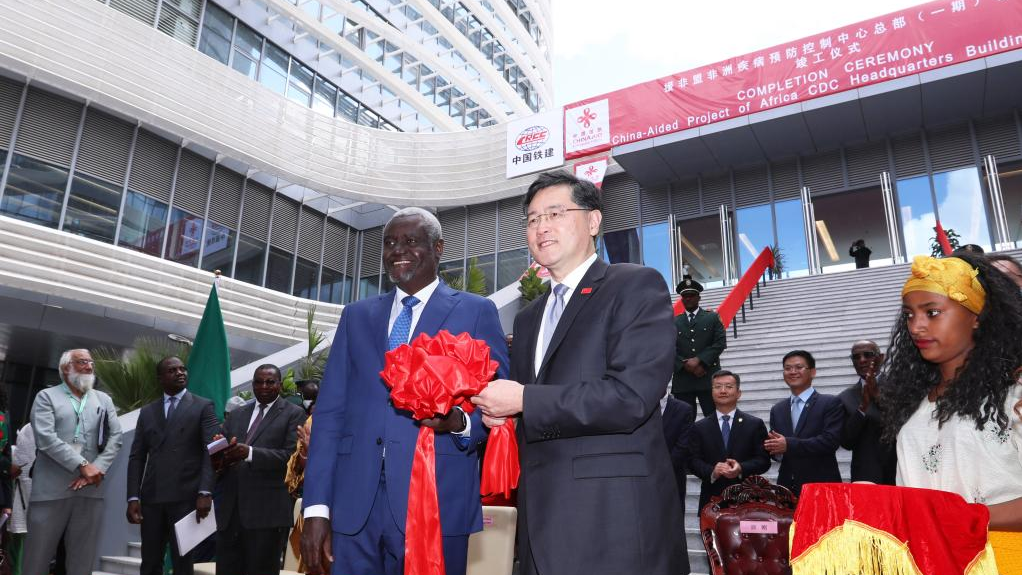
{"x": 68, "y": 421}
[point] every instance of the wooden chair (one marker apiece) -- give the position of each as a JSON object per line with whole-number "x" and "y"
{"x": 745, "y": 530}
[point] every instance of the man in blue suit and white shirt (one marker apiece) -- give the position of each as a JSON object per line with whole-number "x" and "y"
{"x": 805, "y": 428}
{"x": 360, "y": 456}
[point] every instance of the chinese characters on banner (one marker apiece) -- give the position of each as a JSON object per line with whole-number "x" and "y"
{"x": 902, "y": 43}
{"x": 535, "y": 143}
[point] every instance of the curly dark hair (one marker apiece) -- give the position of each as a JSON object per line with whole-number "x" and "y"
{"x": 980, "y": 387}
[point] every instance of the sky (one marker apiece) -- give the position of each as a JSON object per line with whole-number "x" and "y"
{"x": 602, "y": 45}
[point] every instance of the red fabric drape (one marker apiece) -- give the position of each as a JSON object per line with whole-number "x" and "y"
{"x": 733, "y": 302}
{"x": 945, "y": 245}
{"x": 943, "y": 533}
{"x": 429, "y": 377}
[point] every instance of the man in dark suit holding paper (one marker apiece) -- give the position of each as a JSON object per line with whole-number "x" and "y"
{"x": 254, "y": 509}
{"x": 590, "y": 363}
{"x": 169, "y": 471}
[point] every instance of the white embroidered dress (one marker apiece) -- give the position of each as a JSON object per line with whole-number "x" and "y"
{"x": 983, "y": 466}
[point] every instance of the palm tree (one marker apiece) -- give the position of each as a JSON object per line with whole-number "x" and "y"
{"x": 130, "y": 377}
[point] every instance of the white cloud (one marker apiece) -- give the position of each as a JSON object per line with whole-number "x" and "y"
{"x": 601, "y": 45}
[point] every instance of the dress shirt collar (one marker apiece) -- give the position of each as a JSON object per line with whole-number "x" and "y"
{"x": 423, "y": 294}
{"x": 805, "y": 395}
{"x": 179, "y": 395}
{"x": 572, "y": 279}
{"x": 720, "y": 415}
{"x": 695, "y": 311}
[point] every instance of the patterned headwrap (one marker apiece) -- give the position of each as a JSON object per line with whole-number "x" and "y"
{"x": 950, "y": 277}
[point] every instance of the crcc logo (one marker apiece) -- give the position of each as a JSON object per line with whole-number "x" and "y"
{"x": 532, "y": 138}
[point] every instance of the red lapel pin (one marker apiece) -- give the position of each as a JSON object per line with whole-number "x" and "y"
{"x": 587, "y": 290}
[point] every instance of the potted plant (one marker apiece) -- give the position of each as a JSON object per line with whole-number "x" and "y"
{"x": 130, "y": 377}
{"x": 778, "y": 268}
{"x": 531, "y": 286}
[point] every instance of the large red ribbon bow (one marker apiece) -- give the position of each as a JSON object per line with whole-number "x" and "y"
{"x": 429, "y": 377}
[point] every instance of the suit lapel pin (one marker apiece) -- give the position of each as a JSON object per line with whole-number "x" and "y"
{"x": 587, "y": 290}
{"x": 739, "y": 420}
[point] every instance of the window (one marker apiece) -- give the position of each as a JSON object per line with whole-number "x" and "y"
{"x": 219, "y": 248}
{"x": 92, "y": 208}
{"x": 333, "y": 287}
{"x": 248, "y": 48}
{"x": 510, "y": 266}
{"x": 35, "y": 191}
{"x": 347, "y": 107}
{"x": 368, "y": 286}
{"x": 273, "y": 72}
{"x": 251, "y": 254}
{"x": 217, "y": 28}
{"x": 656, "y": 249}
{"x": 179, "y": 19}
{"x": 306, "y": 279}
{"x": 300, "y": 89}
{"x": 323, "y": 99}
{"x": 278, "y": 270}
{"x": 185, "y": 238}
{"x": 142, "y": 224}
{"x": 622, "y": 246}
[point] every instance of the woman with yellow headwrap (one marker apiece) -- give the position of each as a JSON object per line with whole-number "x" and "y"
{"x": 951, "y": 386}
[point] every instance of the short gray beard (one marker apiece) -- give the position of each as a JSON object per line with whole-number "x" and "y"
{"x": 83, "y": 382}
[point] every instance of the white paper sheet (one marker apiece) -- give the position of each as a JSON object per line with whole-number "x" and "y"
{"x": 189, "y": 533}
{"x": 217, "y": 446}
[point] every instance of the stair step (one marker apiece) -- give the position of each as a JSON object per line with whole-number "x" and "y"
{"x": 135, "y": 549}
{"x": 120, "y": 565}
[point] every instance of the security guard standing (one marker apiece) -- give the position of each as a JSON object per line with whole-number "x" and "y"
{"x": 701, "y": 340}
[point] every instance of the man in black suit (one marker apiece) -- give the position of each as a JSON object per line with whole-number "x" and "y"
{"x": 805, "y": 429}
{"x": 254, "y": 510}
{"x": 169, "y": 470}
{"x": 589, "y": 364}
{"x": 678, "y": 417}
{"x": 701, "y": 339}
{"x": 729, "y": 447}
{"x": 872, "y": 459}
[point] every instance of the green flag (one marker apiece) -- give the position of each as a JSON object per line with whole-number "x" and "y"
{"x": 209, "y": 363}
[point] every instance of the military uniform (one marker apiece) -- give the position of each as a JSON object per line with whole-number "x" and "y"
{"x": 705, "y": 338}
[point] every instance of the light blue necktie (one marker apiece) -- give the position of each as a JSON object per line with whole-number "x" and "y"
{"x": 553, "y": 315}
{"x": 796, "y": 412}
{"x": 403, "y": 324}
{"x": 725, "y": 429}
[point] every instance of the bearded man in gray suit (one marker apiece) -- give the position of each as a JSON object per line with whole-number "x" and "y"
{"x": 68, "y": 422}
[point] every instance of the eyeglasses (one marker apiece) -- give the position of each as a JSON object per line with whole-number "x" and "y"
{"x": 730, "y": 386}
{"x": 794, "y": 368}
{"x": 554, "y": 216}
{"x": 864, "y": 355}
{"x": 83, "y": 362}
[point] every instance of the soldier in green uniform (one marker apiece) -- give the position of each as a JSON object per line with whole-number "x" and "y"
{"x": 701, "y": 340}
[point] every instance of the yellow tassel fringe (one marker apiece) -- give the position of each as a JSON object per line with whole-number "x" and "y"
{"x": 858, "y": 549}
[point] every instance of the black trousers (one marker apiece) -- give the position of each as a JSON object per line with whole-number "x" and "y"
{"x": 243, "y": 551}
{"x": 157, "y": 530}
{"x": 705, "y": 398}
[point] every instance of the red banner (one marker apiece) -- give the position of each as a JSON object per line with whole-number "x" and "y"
{"x": 901, "y": 43}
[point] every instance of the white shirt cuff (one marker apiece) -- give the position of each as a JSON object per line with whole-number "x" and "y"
{"x": 251, "y": 450}
{"x": 317, "y": 511}
{"x": 467, "y": 432}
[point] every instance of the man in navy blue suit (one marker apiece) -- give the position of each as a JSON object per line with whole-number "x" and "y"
{"x": 360, "y": 456}
{"x": 805, "y": 428}
{"x": 677, "y": 417}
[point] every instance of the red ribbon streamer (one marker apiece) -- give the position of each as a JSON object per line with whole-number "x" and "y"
{"x": 424, "y": 551}
{"x": 429, "y": 377}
